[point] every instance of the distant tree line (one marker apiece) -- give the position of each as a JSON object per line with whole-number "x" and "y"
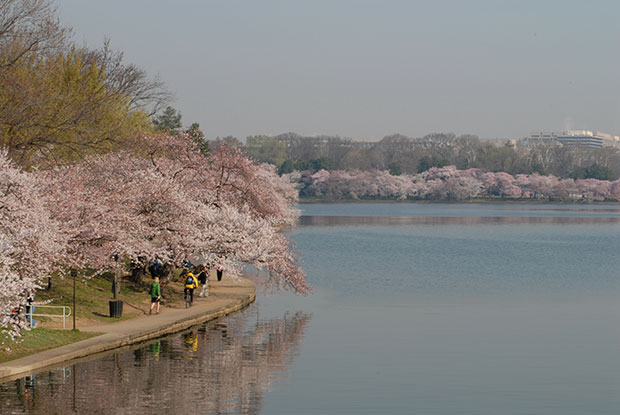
{"x": 404, "y": 155}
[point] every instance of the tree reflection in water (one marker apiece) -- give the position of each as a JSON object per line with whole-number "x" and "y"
{"x": 222, "y": 367}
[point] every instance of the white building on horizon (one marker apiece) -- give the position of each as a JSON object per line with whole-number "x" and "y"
{"x": 574, "y": 138}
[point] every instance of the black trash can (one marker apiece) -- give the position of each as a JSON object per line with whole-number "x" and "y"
{"x": 116, "y": 308}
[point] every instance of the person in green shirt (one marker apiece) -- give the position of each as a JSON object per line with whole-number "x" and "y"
{"x": 155, "y": 295}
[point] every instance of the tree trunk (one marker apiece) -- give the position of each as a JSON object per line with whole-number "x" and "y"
{"x": 137, "y": 273}
{"x": 116, "y": 284}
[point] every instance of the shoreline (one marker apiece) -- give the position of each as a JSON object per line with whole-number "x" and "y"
{"x": 226, "y": 297}
{"x": 310, "y": 201}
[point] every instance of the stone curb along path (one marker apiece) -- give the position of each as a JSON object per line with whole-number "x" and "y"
{"x": 225, "y": 297}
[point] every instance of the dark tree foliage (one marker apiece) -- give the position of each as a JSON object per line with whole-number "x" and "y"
{"x": 195, "y": 133}
{"x": 427, "y": 162}
{"x": 395, "y": 169}
{"x": 322, "y": 163}
{"x": 287, "y": 167}
{"x": 595, "y": 171}
{"x": 303, "y": 165}
{"x": 168, "y": 121}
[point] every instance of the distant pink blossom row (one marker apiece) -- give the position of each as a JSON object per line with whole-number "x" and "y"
{"x": 448, "y": 183}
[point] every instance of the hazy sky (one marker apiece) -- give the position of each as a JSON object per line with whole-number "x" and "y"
{"x": 365, "y": 69}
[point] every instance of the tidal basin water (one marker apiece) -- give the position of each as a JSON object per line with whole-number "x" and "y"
{"x": 417, "y": 308}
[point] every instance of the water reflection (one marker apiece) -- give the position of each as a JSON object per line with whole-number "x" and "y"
{"x": 308, "y": 220}
{"x": 573, "y": 209}
{"x": 223, "y": 367}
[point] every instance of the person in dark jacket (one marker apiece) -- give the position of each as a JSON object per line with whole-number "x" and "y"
{"x": 30, "y": 311}
{"x": 219, "y": 267}
{"x": 203, "y": 278}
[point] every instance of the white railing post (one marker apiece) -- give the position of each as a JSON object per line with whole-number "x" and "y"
{"x": 66, "y": 312}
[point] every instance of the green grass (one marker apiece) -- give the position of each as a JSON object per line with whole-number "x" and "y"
{"x": 38, "y": 340}
{"x": 92, "y": 306}
{"x": 93, "y": 295}
{"x": 92, "y": 300}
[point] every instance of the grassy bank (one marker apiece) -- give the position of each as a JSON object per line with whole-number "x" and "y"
{"x": 92, "y": 299}
{"x": 94, "y": 294}
{"x": 92, "y": 308}
{"x": 41, "y": 339}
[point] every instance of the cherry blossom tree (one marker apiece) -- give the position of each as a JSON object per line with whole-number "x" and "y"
{"x": 172, "y": 202}
{"x": 614, "y": 190}
{"x": 97, "y": 203}
{"x": 240, "y": 209}
{"x": 593, "y": 189}
{"x": 30, "y": 242}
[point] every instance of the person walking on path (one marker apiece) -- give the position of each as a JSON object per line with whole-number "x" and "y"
{"x": 155, "y": 295}
{"x": 203, "y": 278}
{"x": 219, "y": 267}
{"x": 190, "y": 283}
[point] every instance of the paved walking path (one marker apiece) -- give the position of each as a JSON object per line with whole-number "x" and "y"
{"x": 225, "y": 297}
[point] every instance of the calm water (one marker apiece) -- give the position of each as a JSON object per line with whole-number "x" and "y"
{"x": 417, "y": 308}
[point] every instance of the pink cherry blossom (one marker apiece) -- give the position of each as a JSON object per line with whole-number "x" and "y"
{"x": 30, "y": 242}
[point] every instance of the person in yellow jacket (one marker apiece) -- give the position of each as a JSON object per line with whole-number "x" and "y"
{"x": 191, "y": 282}
{"x": 191, "y": 343}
